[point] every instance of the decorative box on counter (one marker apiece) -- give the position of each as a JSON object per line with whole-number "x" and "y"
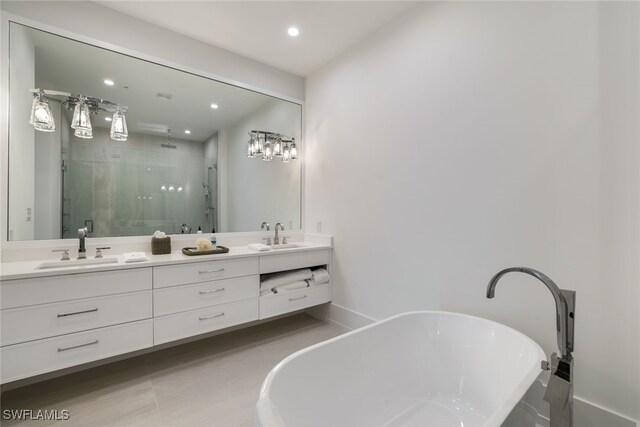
{"x": 161, "y": 245}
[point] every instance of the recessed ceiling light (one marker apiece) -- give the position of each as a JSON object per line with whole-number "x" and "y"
{"x": 293, "y": 31}
{"x": 108, "y": 119}
{"x": 187, "y": 131}
{"x": 108, "y": 82}
{"x": 214, "y": 106}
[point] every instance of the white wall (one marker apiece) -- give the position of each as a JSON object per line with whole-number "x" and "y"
{"x": 258, "y": 191}
{"x": 468, "y": 137}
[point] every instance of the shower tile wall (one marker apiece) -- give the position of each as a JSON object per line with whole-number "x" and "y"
{"x": 117, "y": 185}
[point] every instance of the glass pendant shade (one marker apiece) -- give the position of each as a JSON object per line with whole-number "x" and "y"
{"x": 82, "y": 133}
{"x": 268, "y": 152}
{"x": 251, "y": 149}
{"x": 119, "y": 130}
{"x": 294, "y": 151}
{"x": 81, "y": 120}
{"x": 259, "y": 145}
{"x": 41, "y": 117}
{"x": 277, "y": 147}
{"x": 286, "y": 154}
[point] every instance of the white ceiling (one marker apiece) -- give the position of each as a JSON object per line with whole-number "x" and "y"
{"x": 258, "y": 29}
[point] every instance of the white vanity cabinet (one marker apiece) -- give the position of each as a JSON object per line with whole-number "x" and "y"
{"x": 50, "y": 323}
{"x": 196, "y": 298}
{"x": 67, "y": 318}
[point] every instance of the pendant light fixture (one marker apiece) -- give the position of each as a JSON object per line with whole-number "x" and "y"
{"x": 269, "y": 145}
{"x": 41, "y": 117}
{"x": 83, "y": 106}
{"x": 119, "y": 126}
{"x": 81, "y": 121}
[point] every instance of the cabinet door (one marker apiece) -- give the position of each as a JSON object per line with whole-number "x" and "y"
{"x": 42, "y": 290}
{"x": 198, "y": 272}
{"x": 47, "y": 320}
{"x": 37, "y": 357}
{"x": 195, "y": 322}
{"x": 175, "y": 299}
{"x": 285, "y": 302}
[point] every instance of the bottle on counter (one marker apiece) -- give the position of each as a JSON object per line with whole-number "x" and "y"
{"x": 214, "y": 241}
{"x": 199, "y": 230}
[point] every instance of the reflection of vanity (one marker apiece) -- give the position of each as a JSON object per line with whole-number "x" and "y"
{"x": 55, "y": 320}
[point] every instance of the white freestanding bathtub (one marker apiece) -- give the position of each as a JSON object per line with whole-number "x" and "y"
{"x": 421, "y": 368}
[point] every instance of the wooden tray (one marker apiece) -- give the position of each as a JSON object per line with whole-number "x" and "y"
{"x": 194, "y": 251}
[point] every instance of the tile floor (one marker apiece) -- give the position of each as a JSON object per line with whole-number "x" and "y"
{"x": 211, "y": 382}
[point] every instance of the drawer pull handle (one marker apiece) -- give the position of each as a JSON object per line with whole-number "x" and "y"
{"x": 77, "y": 346}
{"x": 93, "y": 310}
{"x": 299, "y": 298}
{"x": 212, "y": 317}
{"x": 211, "y": 271}
{"x": 212, "y": 291}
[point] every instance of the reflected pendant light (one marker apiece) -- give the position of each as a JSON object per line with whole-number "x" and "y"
{"x": 286, "y": 153}
{"x": 252, "y": 145}
{"x": 119, "y": 130}
{"x": 41, "y": 117}
{"x": 268, "y": 152}
{"x": 81, "y": 121}
{"x": 259, "y": 145}
{"x": 293, "y": 149}
{"x": 277, "y": 146}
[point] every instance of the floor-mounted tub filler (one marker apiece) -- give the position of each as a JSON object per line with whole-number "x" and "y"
{"x": 424, "y": 368}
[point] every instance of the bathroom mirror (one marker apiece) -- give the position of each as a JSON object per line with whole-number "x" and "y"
{"x": 182, "y": 166}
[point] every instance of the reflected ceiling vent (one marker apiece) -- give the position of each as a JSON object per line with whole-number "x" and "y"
{"x": 168, "y": 144}
{"x": 163, "y": 95}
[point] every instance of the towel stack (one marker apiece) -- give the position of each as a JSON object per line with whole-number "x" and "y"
{"x": 290, "y": 280}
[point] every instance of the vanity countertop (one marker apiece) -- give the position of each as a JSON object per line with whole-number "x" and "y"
{"x": 27, "y": 269}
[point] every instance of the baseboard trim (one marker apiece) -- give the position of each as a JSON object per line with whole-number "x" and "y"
{"x": 340, "y": 315}
{"x": 586, "y": 414}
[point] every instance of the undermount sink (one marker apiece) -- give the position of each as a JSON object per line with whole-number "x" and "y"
{"x": 77, "y": 262}
{"x": 285, "y": 246}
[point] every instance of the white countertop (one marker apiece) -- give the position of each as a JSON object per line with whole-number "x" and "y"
{"x": 27, "y": 269}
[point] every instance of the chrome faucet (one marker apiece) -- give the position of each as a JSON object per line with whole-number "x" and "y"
{"x": 276, "y": 239}
{"x": 559, "y": 392}
{"x": 263, "y": 225}
{"x": 82, "y": 234}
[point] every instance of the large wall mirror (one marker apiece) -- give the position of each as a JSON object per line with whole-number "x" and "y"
{"x": 183, "y": 163}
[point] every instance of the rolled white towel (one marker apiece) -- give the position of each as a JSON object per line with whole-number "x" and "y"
{"x": 292, "y": 286}
{"x": 320, "y": 276}
{"x": 279, "y": 279}
{"x": 134, "y": 257}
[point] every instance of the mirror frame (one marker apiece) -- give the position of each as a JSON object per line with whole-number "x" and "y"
{"x": 5, "y": 19}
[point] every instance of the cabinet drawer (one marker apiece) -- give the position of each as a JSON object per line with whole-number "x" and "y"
{"x": 290, "y": 261}
{"x": 285, "y": 302}
{"x": 175, "y": 299}
{"x": 182, "y": 325}
{"x": 42, "y": 321}
{"x": 182, "y": 274}
{"x": 42, "y": 290}
{"x": 37, "y": 357}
